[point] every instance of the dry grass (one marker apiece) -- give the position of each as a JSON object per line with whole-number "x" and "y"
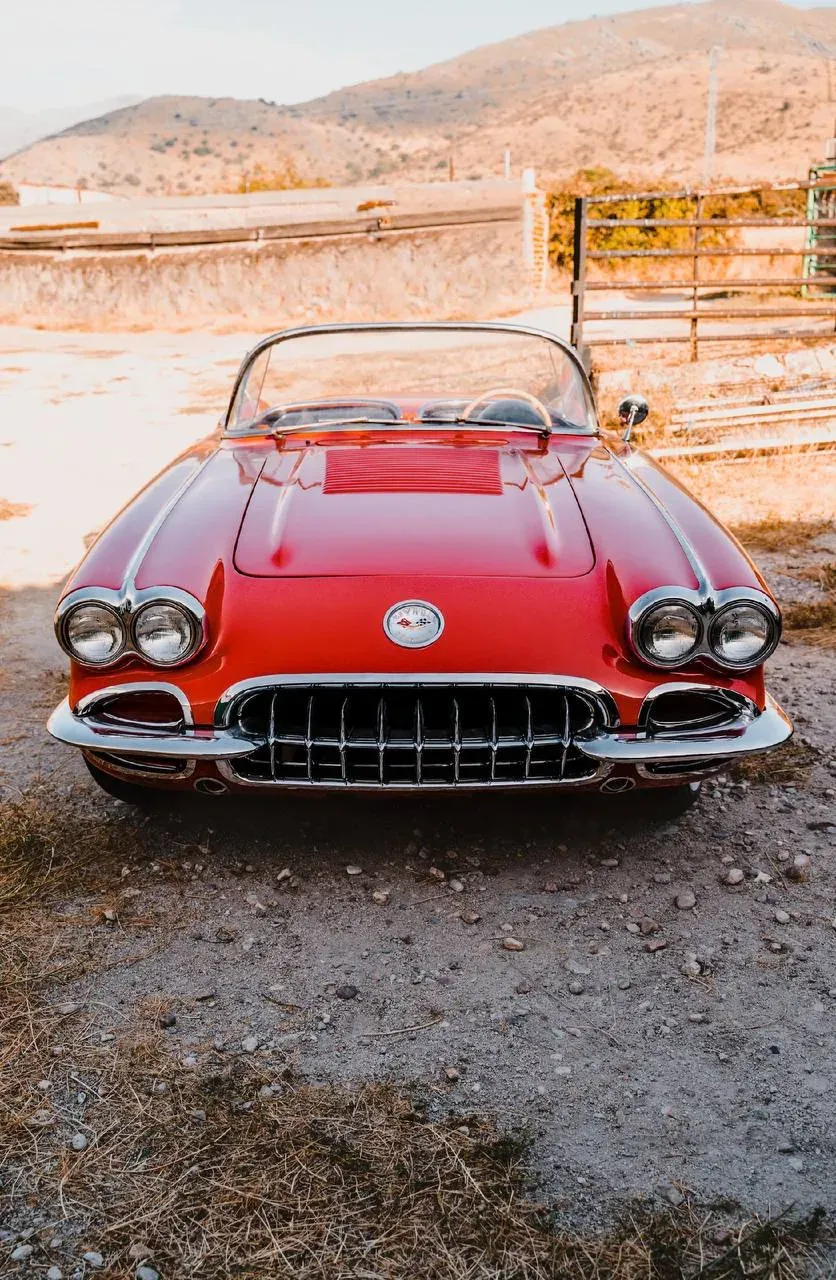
{"x": 13, "y": 510}
{"x": 789, "y": 765}
{"x": 775, "y": 534}
{"x": 238, "y": 1168}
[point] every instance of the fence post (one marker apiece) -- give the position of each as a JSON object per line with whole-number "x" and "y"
{"x": 579, "y": 274}
{"x": 695, "y": 276}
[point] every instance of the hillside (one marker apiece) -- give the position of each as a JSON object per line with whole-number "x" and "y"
{"x": 627, "y": 91}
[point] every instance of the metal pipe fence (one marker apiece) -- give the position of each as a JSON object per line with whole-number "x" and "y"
{"x": 698, "y": 307}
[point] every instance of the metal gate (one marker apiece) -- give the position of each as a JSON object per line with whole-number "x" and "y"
{"x": 701, "y": 317}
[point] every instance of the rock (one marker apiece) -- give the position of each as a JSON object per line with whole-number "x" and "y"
{"x": 78, "y": 1142}
{"x": 353, "y": 870}
{"x": 624, "y": 984}
{"x": 347, "y": 991}
{"x": 523, "y": 988}
{"x": 68, "y": 1008}
{"x": 685, "y": 899}
{"x": 795, "y": 1162}
{"x": 785, "y": 1146}
{"x": 457, "y": 886}
{"x": 22, "y": 1252}
{"x": 632, "y": 927}
{"x": 513, "y": 944}
{"x": 574, "y": 966}
{"x": 672, "y": 1194}
{"x": 698, "y": 1017}
{"x": 733, "y": 876}
{"x": 54, "y": 1273}
{"x": 139, "y": 1252}
{"x": 110, "y": 916}
{"x": 283, "y": 875}
{"x": 655, "y": 944}
{"x": 208, "y": 993}
{"x": 550, "y": 887}
{"x": 608, "y": 862}
{"x": 93, "y": 1259}
{"x": 222, "y": 934}
{"x": 167, "y": 1019}
{"x": 249, "y": 1044}
{"x": 380, "y": 897}
{"x": 576, "y": 987}
{"x": 781, "y": 916}
{"x": 435, "y": 873}
{"x": 799, "y": 870}
{"x": 646, "y": 925}
{"x": 470, "y": 917}
{"x": 451, "y": 1073}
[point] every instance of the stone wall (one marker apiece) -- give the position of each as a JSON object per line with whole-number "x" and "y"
{"x": 469, "y": 271}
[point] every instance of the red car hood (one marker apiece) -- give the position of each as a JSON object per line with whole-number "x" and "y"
{"x": 419, "y": 507}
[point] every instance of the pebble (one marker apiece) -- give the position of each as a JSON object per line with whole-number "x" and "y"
{"x": 283, "y": 875}
{"x": 782, "y": 916}
{"x": 347, "y": 991}
{"x": 139, "y": 1252}
{"x": 795, "y": 1162}
{"x": 799, "y": 871}
{"x": 686, "y": 899}
{"x": 576, "y": 987}
{"x": 381, "y": 897}
{"x": 451, "y": 1073}
{"x": 22, "y": 1252}
{"x": 167, "y": 1019}
{"x": 93, "y": 1259}
{"x": 523, "y": 988}
{"x": 646, "y": 925}
{"x": 208, "y": 994}
{"x": 655, "y": 944}
{"x": 457, "y": 886}
{"x": 54, "y": 1273}
{"x": 146, "y": 1273}
{"x": 470, "y": 917}
{"x": 249, "y": 1044}
{"x": 672, "y": 1194}
{"x": 435, "y": 873}
{"x": 609, "y": 862}
{"x": 513, "y": 944}
{"x": 624, "y": 984}
{"x": 733, "y": 876}
{"x": 78, "y": 1142}
{"x": 353, "y": 870}
{"x": 698, "y": 1017}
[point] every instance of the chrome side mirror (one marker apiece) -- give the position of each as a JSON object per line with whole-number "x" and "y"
{"x": 632, "y": 410}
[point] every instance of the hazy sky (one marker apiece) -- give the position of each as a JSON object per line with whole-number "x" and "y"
{"x": 61, "y": 52}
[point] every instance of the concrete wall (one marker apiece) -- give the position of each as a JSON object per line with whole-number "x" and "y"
{"x": 451, "y": 272}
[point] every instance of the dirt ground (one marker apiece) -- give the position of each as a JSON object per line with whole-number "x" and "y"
{"x": 649, "y": 1048}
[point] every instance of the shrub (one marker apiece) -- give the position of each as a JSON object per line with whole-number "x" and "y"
{"x": 8, "y": 194}
{"x": 287, "y": 178}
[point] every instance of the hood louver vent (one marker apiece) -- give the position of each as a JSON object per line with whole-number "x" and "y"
{"x": 412, "y": 470}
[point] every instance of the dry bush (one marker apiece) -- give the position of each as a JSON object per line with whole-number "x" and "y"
{"x": 776, "y": 534}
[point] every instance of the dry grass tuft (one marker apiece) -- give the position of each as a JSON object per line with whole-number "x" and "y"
{"x": 775, "y": 534}
{"x": 13, "y": 510}
{"x": 789, "y": 765}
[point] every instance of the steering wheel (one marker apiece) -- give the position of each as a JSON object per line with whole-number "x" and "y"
{"x": 510, "y": 393}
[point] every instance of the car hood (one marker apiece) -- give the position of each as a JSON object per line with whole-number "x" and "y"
{"x": 420, "y": 507}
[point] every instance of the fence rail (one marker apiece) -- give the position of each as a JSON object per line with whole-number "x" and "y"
{"x": 698, "y": 308}
{"x": 38, "y": 241}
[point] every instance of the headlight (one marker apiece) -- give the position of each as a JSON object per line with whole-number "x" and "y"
{"x": 93, "y": 634}
{"x": 668, "y": 634}
{"x": 743, "y": 635}
{"x": 164, "y": 633}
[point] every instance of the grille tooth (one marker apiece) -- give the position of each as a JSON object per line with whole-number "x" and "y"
{"x": 416, "y": 735}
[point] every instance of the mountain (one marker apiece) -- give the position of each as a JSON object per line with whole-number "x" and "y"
{"x": 627, "y": 92}
{"x": 19, "y": 129}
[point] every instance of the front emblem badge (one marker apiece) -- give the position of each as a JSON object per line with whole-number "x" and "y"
{"x": 413, "y": 624}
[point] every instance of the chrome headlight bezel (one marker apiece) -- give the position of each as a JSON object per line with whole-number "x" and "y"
{"x": 773, "y": 633}
{"x": 77, "y": 607}
{"x": 659, "y": 609}
{"x": 708, "y": 609}
{"x": 192, "y": 625}
{"x": 128, "y": 607}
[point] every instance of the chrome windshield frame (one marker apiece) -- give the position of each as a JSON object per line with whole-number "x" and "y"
{"x": 407, "y": 326}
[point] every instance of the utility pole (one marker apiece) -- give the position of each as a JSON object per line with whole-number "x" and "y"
{"x": 507, "y": 164}
{"x": 711, "y": 115}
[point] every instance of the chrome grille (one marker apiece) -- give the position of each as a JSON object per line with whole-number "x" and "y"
{"x": 416, "y": 735}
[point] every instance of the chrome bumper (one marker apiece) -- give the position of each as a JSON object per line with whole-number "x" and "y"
{"x": 189, "y": 743}
{"x": 750, "y": 733}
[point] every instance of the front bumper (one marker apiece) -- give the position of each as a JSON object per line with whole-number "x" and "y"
{"x": 652, "y": 754}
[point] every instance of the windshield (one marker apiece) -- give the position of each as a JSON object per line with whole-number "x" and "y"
{"x": 412, "y": 374}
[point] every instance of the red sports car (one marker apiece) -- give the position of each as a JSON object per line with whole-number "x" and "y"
{"x": 411, "y": 559}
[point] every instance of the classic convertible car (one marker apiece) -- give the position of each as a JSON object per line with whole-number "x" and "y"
{"x": 411, "y": 558}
